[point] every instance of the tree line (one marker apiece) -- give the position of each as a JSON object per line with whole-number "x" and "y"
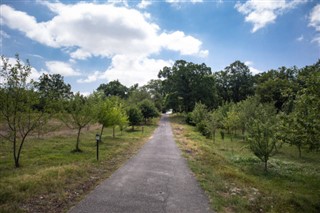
{"x": 270, "y": 108}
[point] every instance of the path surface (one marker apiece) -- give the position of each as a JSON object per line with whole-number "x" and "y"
{"x": 157, "y": 179}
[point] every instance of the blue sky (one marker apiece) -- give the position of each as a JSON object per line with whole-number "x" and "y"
{"x": 94, "y": 42}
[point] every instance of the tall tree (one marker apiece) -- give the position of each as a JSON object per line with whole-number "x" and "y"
{"x": 278, "y": 86}
{"x": 186, "y": 83}
{"x": 52, "y": 90}
{"x": 155, "y": 89}
{"x": 114, "y": 88}
{"x": 17, "y": 101}
{"x": 235, "y": 83}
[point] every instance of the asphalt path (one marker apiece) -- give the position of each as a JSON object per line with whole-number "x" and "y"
{"x": 157, "y": 179}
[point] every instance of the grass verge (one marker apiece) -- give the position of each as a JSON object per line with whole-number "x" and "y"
{"x": 52, "y": 178}
{"x": 234, "y": 178}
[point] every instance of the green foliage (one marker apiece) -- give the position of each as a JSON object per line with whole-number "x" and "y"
{"x": 134, "y": 115}
{"x": 114, "y": 88}
{"x": 235, "y": 83}
{"x": 277, "y": 86}
{"x": 183, "y": 88}
{"x": 156, "y": 91}
{"x": 52, "y": 91}
{"x": 199, "y": 113}
{"x": 17, "y": 105}
{"x": 261, "y": 133}
{"x": 78, "y": 114}
{"x": 111, "y": 112}
{"x": 148, "y": 110}
{"x": 229, "y": 174}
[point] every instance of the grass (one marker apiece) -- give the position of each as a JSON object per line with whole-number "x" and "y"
{"x": 52, "y": 178}
{"x": 234, "y": 178}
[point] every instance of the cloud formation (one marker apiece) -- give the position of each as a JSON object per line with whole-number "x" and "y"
{"x": 62, "y": 68}
{"x": 262, "y": 13}
{"x": 85, "y": 30}
{"x": 314, "y": 21}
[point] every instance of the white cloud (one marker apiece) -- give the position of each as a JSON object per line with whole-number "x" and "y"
{"x": 178, "y": 41}
{"x": 314, "y": 21}
{"x": 300, "y": 38}
{"x": 184, "y": 1}
{"x": 90, "y": 29}
{"x": 62, "y": 68}
{"x": 92, "y": 77}
{"x": 4, "y": 34}
{"x": 252, "y": 69}
{"x": 134, "y": 70}
{"x": 144, "y": 4}
{"x": 262, "y": 13}
{"x": 126, "y": 36}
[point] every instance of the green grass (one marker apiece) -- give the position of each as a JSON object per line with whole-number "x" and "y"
{"x": 234, "y": 178}
{"x": 52, "y": 178}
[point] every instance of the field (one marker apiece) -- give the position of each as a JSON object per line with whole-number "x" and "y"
{"x": 52, "y": 178}
{"x": 234, "y": 178}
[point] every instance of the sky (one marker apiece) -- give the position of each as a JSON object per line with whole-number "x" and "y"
{"x": 95, "y": 42}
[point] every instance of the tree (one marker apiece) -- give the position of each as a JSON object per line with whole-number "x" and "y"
{"x": 232, "y": 119}
{"x": 110, "y": 113}
{"x": 155, "y": 89}
{"x": 245, "y": 109}
{"x": 291, "y": 132}
{"x": 148, "y": 110}
{"x": 134, "y": 115}
{"x": 235, "y": 83}
{"x": 17, "y": 101}
{"x": 262, "y": 133}
{"x": 212, "y": 125}
{"x": 114, "y": 88}
{"x": 78, "y": 114}
{"x": 278, "y": 86}
{"x": 52, "y": 90}
{"x": 186, "y": 83}
{"x": 300, "y": 126}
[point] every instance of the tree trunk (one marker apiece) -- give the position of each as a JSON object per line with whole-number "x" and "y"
{"x": 16, "y": 162}
{"x": 299, "y": 148}
{"x": 78, "y": 140}
{"x": 101, "y": 133}
{"x": 265, "y": 166}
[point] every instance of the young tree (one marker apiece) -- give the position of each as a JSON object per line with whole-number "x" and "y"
{"x": 199, "y": 116}
{"x": 148, "y": 110}
{"x": 212, "y": 125}
{"x": 78, "y": 114}
{"x": 134, "y": 115}
{"x": 17, "y": 101}
{"x": 261, "y": 133}
{"x": 111, "y": 113}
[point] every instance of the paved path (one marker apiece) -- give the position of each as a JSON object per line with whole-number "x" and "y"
{"x": 157, "y": 179}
